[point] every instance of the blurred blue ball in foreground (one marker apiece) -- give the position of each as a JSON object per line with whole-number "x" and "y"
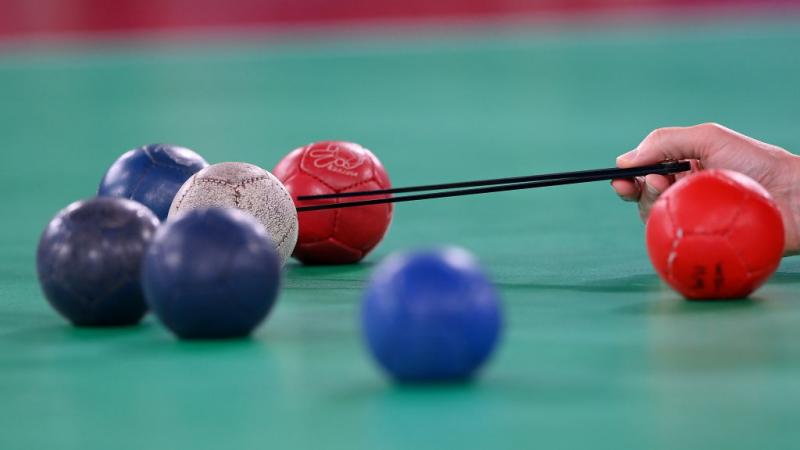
{"x": 89, "y": 261}
{"x": 151, "y": 175}
{"x": 431, "y": 315}
{"x": 211, "y": 273}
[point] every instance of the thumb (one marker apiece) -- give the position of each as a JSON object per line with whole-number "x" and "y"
{"x": 675, "y": 143}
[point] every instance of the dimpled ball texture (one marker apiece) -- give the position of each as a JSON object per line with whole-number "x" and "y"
{"x": 336, "y": 236}
{"x": 89, "y": 258}
{"x": 430, "y": 315}
{"x": 151, "y": 175}
{"x": 246, "y": 187}
{"x": 716, "y": 234}
{"x": 211, "y": 273}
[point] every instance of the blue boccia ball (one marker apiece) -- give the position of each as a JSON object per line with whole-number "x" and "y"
{"x": 431, "y": 315}
{"x": 151, "y": 175}
{"x": 211, "y": 273}
{"x": 89, "y": 261}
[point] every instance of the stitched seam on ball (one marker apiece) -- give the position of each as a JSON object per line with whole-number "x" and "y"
{"x": 360, "y": 183}
{"x": 320, "y": 180}
{"x": 736, "y": 250}
{"x": 184, "y": 170}
{"x": 282, "y": 186}
{"x": 139, "y": 182}
{"x": 84, "y": 300}
{"x": 372, "y": 178}
{"x": 387, "y": 205}
{"x": 247, "y": 181}
{"x": 676, "y": 239}
{"x": 146, "y": 151}
{"x": 237, "y": 197}
{"x": 93, "y": 300}
{"x": 217, "y": 181}
{"x": 336, "y": 219}
{"x": 316, "y": 241}
{"x": 736, "y": 216}
{"x": 233, "y": 185}
{"x": 363, "y": 182}
{"x": 738, "y": 255}
{"x": 294, "y": 169}
{"x": 288, "y": 180}
{"x": 311, "y": 174}
{"x": 237, "y": 194}
{"x": 348, "y": 246}
{"x": 185, "y": 193}
{"x": 378, "y": 180}
{"x": 285, "y": 236}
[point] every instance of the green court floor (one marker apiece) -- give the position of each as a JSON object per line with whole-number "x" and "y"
{"x": 597, "y": 353}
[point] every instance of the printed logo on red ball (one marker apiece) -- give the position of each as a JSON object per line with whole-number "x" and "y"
{"x": 340, "y": 164}
{"x": 336, "y": 159}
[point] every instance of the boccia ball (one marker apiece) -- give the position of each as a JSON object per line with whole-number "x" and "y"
{"x": 89, "y": 258}
{"x": 430, "y": 315}
{"x": 339, "y": 236}
{"x": 247, "y": 187}
{"x": 715, "y": 234}
{"x": 211, "y": 273}
{"x": 151, "y": 175}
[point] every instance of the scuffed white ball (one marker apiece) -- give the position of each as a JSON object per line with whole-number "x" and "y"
{"x": 246, "y": 187}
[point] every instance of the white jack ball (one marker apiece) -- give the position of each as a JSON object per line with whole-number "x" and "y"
{"x": 246, "y": 187}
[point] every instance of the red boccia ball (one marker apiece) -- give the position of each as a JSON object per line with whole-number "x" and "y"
{"x": 336, "y": 236}
{"x": 715, "y": 234}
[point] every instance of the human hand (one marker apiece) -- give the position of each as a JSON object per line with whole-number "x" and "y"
{"x": 712, "y": 146}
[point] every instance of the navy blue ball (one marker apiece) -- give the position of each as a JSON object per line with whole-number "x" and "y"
{"x": 151, "y": 175}
{"x": 211, "y": 273}
{"x": 89, "y": 260}
{"x": 431, "y": 315}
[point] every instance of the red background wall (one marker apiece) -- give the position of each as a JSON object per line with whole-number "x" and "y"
{"x": 24, "y": 18}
